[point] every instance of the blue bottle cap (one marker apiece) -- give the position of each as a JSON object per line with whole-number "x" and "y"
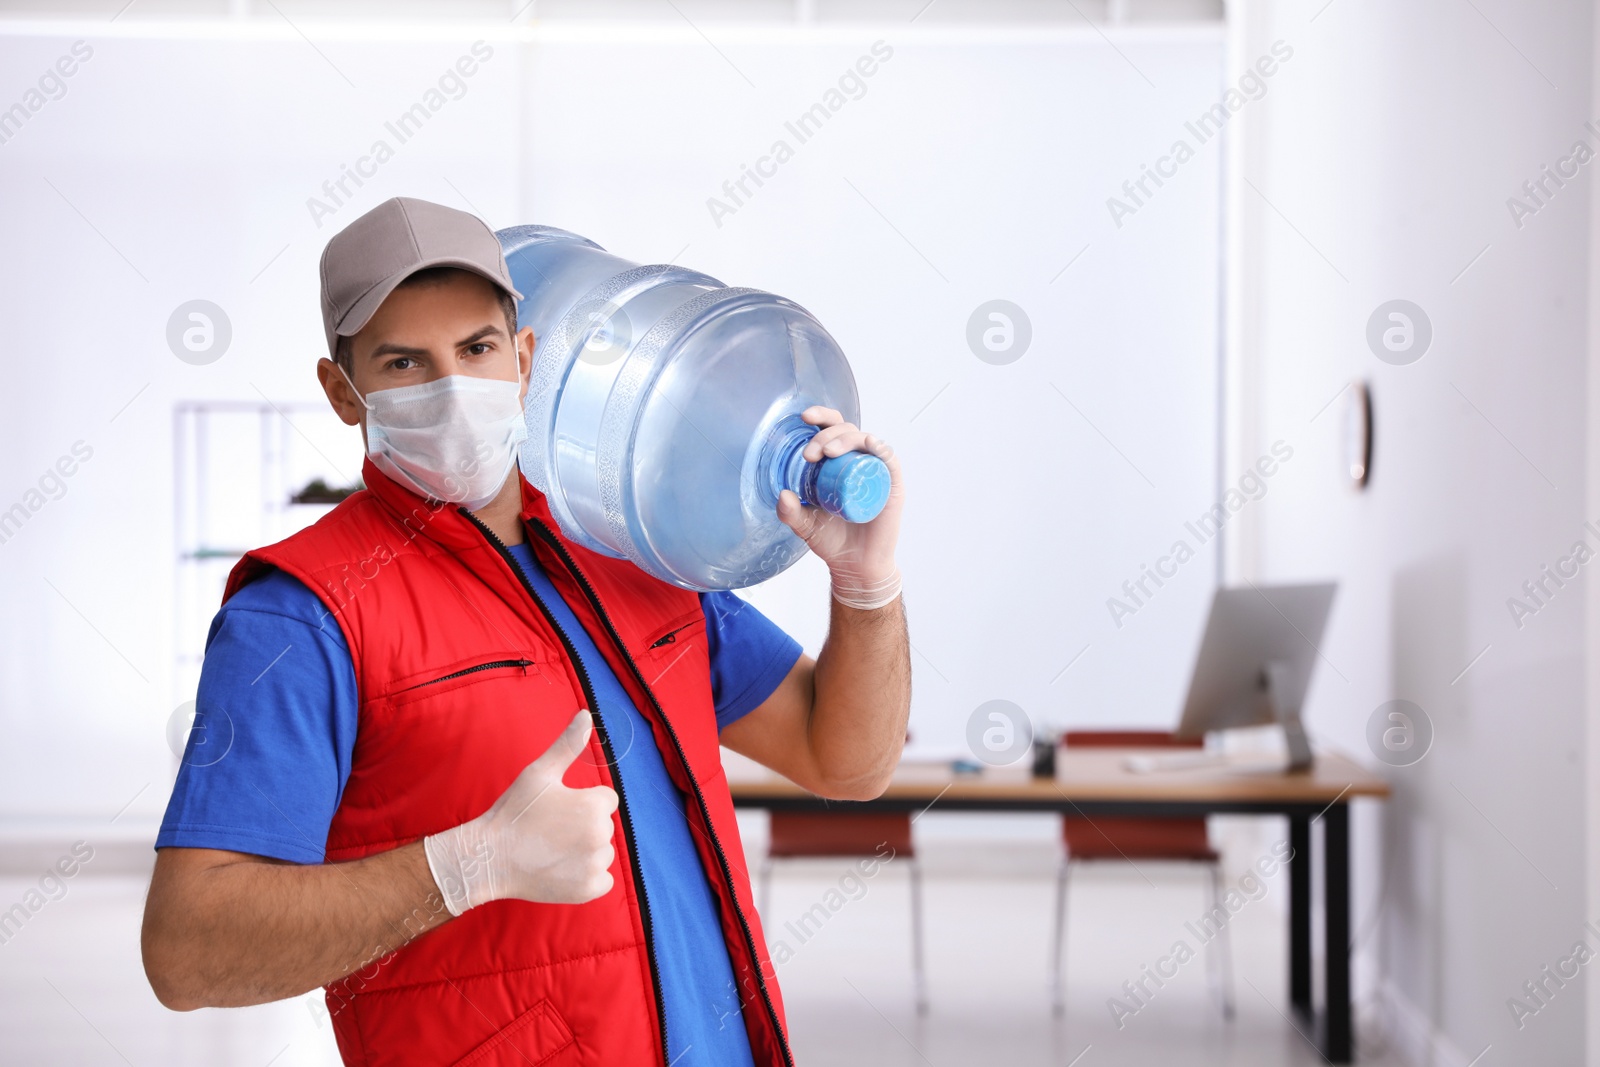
{"x": 854, "y": 486}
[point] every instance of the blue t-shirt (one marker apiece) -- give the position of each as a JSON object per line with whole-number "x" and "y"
{"x": 277, "y": 698}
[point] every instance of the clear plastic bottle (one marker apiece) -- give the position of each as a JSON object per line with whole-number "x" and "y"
{"x": 664, "y": 412}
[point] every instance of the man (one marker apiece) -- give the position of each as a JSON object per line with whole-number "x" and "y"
{"x": 473, "y": 784}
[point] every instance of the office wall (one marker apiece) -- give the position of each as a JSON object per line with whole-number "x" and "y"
{"x": 1379, "y": 167}
{"x": 181, "y": 162}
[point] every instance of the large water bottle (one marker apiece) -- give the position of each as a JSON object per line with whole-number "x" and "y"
{"x": 664, "y": 412}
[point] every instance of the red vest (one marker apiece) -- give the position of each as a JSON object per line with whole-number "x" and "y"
{"x": 464, "y": 679}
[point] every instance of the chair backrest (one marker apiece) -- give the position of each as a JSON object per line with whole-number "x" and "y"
{"x": 844, "y": 833}
{"x": 1127, "y": 739}
{"x": 1133, "y": 837}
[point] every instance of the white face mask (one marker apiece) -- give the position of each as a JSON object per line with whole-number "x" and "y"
{"x": 453, "y": 439}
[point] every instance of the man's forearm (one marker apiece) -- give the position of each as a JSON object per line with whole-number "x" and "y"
{"x": 229, "y": 932}
{"x": 862, "y": 698}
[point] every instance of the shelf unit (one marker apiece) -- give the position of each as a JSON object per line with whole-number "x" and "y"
{"x": 237, "y": 465}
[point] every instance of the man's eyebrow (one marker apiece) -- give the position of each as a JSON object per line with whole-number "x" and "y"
{"x": 389, "y": 348}
{"x": 490, "y": 330}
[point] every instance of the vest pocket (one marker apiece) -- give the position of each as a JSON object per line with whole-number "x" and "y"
{"x": 677, "y": 630}
{"x": 440, "y": 677}
{"x": 491, "y": 665}
{"x": 532, "y": 1039}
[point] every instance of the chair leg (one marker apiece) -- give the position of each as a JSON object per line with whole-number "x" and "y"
{"x": 1058, "y": 991}
{"x": 918, "y": 974}
{"x": 1213, "y": 977}
{"x": 765, "y": 891}
{"x": 1219, "y": 952}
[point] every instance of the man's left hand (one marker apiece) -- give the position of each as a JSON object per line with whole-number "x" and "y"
{"x": 860, "y": 556}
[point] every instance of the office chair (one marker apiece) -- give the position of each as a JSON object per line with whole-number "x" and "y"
{"x": 850, "y": 835}
{"x": 1135, "y": 838}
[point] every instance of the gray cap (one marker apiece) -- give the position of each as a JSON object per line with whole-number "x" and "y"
{"x": 366, "y": 260}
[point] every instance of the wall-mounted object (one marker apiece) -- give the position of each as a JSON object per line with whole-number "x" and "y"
{"x": 1358, "y": 434}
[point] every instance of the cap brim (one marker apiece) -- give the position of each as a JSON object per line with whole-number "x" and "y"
{"x": 362, "y": 310}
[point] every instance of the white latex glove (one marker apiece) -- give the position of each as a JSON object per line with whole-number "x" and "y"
{"x": 540, "y": 841}
{"x": 859, "y": 555}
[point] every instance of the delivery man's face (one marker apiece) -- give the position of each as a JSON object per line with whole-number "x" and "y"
{"x": 422, "y": 332}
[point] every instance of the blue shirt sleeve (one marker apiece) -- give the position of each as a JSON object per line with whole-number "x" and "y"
{"x": 750, "y": 655}
{"x": 274, "y": 729}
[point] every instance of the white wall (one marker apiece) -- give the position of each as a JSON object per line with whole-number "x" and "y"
{"x": 1379, "y": 167}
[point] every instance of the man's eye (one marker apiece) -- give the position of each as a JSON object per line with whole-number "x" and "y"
{"x": 403, "y": 363}
{"x": 480, "y": 348}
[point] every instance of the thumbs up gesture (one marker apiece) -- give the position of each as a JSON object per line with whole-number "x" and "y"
{"x": 540, "y": 841}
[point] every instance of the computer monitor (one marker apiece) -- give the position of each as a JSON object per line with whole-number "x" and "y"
{"x": 1260, "y": 646}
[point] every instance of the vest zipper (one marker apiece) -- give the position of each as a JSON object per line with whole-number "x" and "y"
{"x": 549, "y": 537}
{"x": 611, "y": 762}
{"x": 669, "y": 637}
{"x": 471, "y": 670}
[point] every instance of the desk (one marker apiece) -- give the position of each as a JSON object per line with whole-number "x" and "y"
{"x": 1092, "y": 782}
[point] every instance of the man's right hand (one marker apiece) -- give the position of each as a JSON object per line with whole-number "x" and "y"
{"x": 540, "y": 841}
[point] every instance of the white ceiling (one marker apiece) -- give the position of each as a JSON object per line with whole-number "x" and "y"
{"x": 692, "y": 12}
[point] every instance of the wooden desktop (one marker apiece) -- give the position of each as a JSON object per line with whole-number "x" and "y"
{"x": 1098, "y": 782}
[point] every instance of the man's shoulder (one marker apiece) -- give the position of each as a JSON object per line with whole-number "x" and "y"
{"x": 348, "y": 524}
{"x": 359, "y": 533}
{"x": 272, "y": 591}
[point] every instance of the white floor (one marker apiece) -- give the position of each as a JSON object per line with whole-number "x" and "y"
{"x": 72, "y": 991}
